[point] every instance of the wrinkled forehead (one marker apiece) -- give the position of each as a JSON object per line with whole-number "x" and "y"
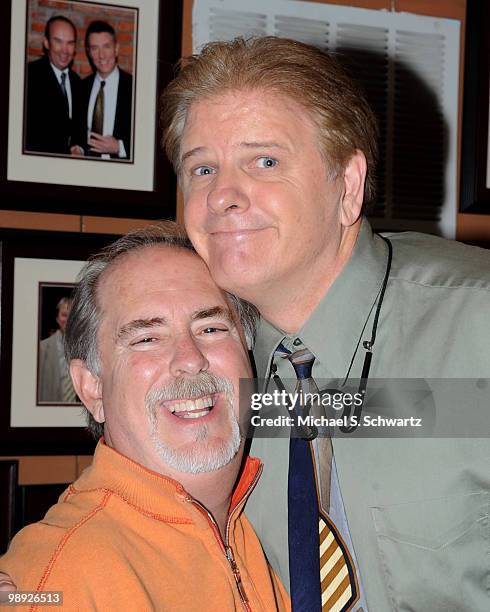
{"x": 175, "y": 273}
{"x": 162, "y": 282}
{"x": 249, "y": 115}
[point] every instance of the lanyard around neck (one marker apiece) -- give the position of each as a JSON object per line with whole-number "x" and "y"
{"x": 310, "y": 433}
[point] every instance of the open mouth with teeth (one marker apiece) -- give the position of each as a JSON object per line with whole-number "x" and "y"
{"x": 192, "y": 408}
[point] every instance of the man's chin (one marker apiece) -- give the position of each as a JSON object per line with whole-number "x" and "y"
{"x": 238, "y": 276}
{"x": 201, "y": 456}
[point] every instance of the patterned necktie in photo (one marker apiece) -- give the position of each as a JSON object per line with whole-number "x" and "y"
{"x": 98, "y": 115}
{"x": 322, "y": 574}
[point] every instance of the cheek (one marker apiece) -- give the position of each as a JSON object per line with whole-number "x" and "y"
{"x": 135, "y": 374}
{"x": 191, "y": 214}
{"x": 287, "y": 207}
{"x": 146, "y": 366}
{"x": 194, "y": 217}
{"x": 231, "y": 362}
{"x": 278, "y": 199}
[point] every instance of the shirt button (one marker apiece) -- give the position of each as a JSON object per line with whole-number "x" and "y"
{"x": 297, "y": 342}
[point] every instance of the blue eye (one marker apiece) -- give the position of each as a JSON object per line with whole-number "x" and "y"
{"x": 266, "y": 162}
{"x": 202, "y": 171}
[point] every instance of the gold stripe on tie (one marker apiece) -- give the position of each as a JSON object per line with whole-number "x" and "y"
{"x": 334, "y": 571}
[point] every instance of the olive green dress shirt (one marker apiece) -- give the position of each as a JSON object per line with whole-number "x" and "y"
{"x": 417, "y": 509}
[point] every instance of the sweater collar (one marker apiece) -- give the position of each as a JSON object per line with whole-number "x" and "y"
{"x": 151, "y": 492}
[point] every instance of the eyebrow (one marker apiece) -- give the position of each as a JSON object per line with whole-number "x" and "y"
{"x": 190, "y": 153}
{"x": 214, "y": 312}
{"x": 246, "y": 145}
{"x": 262, "y": 145}
{"x": 138, "y": 325}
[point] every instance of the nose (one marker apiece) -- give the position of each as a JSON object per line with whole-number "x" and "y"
{"x": 227, "y": 194}
{"x": 187, "y": 358}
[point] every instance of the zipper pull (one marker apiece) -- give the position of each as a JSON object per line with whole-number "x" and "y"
{"x": 236, "y": 574}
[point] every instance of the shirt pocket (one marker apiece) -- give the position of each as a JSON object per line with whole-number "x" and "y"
{"x": 435, "y": 553}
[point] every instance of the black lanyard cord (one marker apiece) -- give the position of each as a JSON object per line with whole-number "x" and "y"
{"x": 310, "y": 433}
{"x": 368, "y": 345}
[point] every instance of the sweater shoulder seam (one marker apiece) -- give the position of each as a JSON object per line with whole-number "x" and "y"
{"x": 64, "y": 540}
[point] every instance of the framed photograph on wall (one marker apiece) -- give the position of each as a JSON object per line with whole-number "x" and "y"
{"x": 475, "y": 159}
{"x": 80, "y": 113}
{"x": 40, "y": 412}
{"x": 54, "y": 386}
{"x": 71, "y": 95}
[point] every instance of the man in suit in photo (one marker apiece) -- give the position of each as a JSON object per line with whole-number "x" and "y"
{"x": 54, "y": 377}
{"x": 107, "y": 97}
{"x": 53, "y": 91}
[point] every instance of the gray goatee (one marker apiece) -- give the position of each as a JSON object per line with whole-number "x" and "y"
{"x": 207, "y": 454}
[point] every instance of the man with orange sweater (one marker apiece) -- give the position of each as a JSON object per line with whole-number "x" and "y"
{"x": 156, "y": 352}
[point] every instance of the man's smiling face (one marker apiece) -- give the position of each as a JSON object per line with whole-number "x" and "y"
{"x": 260, "y": 205}
{"x": 103, "y": 50}
{"x": 171, "y": 357}
{"x": 61, "y": 44}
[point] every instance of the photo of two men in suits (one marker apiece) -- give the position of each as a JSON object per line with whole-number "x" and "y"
{"x": 67, "y": 115}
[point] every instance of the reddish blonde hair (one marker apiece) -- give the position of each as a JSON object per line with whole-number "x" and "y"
{"x": 313, "y": 79}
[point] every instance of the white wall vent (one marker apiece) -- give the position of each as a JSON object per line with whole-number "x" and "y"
{"x": 409, "y": 67}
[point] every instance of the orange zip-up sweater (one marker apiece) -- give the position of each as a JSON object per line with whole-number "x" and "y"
{"x": 125, "y": 538}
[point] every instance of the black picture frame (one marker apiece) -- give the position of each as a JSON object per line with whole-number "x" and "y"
{"x": 36, "y": 245}
{"x": 475, "y": 195}
{"x": 55, "y": 198}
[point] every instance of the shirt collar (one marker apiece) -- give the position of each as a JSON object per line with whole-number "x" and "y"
{"x": 336, "y": 325}
{"x": 109, "y": 78}
{"x": 58, "y": 72}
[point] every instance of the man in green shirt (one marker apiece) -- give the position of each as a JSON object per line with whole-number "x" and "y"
{"x": 275, "y": 151}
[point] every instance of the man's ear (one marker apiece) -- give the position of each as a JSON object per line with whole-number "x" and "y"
{"x": 354, "y": 177}
{"x": 88, "y": 387}
{"x": 46, "y": 43}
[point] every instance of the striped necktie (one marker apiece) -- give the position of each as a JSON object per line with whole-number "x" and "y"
{"x": 322, "y": 574}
